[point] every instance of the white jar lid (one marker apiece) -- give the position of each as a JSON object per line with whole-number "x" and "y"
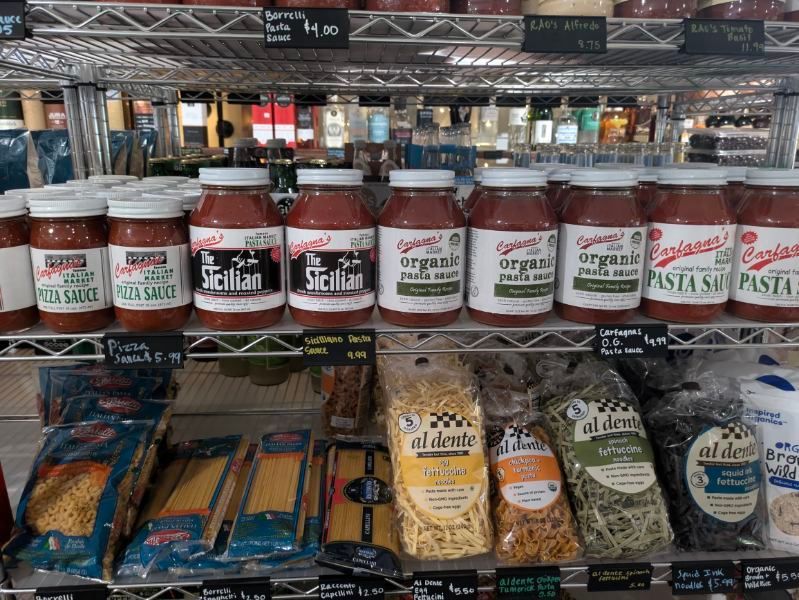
{"x": 547, "y": 167}
{"x": 189, "y": 199}
{"x": 150, "y": 207}
{"x": 19, "y": 192}
{"x": 66, "y": 206}
{"x": 704, "y": 177}
{"x": 124, "y": 178}
{"x": 736, "y": 174}
{"x": 146, "y": 185}
{"x": 694, "y": 165}
{"x": 773, "y": 177}
{"x": 604, "y": 178}
{"x": 122, "y": 194}
{"x": 191, "y": 184}
{"x": 477, "y": 175}
{"x": 12, "y": 206}
{"x": 343, "y": 177}
{"x": 649, "y": 175}
{"x": 421, "y": 178}
{"x": 513, "y": 178}
{"x": 166, "y": 179}
{"x": 234, "y": 177}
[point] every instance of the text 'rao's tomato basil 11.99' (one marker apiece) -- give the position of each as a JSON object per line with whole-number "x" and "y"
{"x": 237, "y": 251}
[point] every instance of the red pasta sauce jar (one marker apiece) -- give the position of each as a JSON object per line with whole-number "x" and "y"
{"x": 654, "y": 9}
{"x": 768, "y": 10}
{"x": 17, "y": 294}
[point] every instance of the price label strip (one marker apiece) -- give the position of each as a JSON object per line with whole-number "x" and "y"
{"x": 534, "y": 583}
{"x": 306, "y": 28}
{"x": 246, "y": 588}
{"x": 445, "y": 585}
{"x": 571, "y": 35}
{"x": 74, "y": 592}
{"x": 770, "y": 574}
{"x": 620, "y": 577}
{"x": 733, "y": 38}
{"x": 144, "y": 350}
{"x": 342, "y": 587}
{"x": 338, "y": 347}
{"x": 638, "y": 341}
{"x": 711, "y": 577}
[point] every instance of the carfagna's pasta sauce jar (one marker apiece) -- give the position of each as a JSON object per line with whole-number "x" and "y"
{"x": 17, "y": 295}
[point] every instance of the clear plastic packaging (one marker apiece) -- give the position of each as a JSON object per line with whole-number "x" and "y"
{"x": 346, "y": 394}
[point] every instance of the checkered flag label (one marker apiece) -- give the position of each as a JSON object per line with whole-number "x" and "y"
{"x": 445, "y": 420}
{"x": 735, "y": 431}
{"x": 606, "y": 405}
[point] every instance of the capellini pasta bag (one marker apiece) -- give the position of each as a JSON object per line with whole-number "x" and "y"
{"x": 437, "y": 444}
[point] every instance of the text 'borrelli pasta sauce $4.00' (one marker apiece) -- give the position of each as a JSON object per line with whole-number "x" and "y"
{"x": 765, "y": 269}
{"x": 69, "y": 255}
{"x": 421, "y": 250}
{"x": 689, "y": 247}
{"x": 236, "y": 236}
{"x": 150, "y": 263}
{"x": 600, "y": 248}
{"x": 17, "y": 295}
{"x": 330, "y": 239}
{"x": 512, "y": 246}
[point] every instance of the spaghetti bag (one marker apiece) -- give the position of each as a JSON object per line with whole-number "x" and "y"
{"x": 271, "y": 517}
{"x": 73, "y": 506}
{"x": 532, "y": 517}
{"x": 346, "y": 392}
{"x": 436, "y": 436}
{"x": 608, "y": 462}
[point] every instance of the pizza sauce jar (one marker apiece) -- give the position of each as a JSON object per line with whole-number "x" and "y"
{"x": 330, "y": 239}
{"x": 689, "y": 247}
{"x": 150, "y": 266}
{"x": 512, "y": 246}
{"x": 421, "y": 248}
{"x": 765, "y": 267}
{"x": 17, "y": 295}
{"x": 601, "y": 248}
{"x": 736, "y": 186}
{"x": 654, "y": 9}
{"x": 69, "y": 255}
{"x": 236, "y": 235}
{"x": 769, "y": 10}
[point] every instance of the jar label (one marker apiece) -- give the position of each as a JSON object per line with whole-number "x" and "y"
{"x": 16, "y": 279}
{"x": 722, "y": 469}
{"x": 71, "y": 281}
{"x": 331, "y": 270}
{"x": 600, "y": 268}
{"x": 511, "y": 272}
{"x": 765, "y": 269}
{"x": 153, "y": 278}
{"x": 237, "y": 270}
{"x": 688, "y": 264}
{"x": 421, "y": 270}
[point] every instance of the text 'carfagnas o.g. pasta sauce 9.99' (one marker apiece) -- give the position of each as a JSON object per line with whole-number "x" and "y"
{"x": 236, "y": 236}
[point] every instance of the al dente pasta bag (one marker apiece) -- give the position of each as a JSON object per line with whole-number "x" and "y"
{"x": 73, "y": 507}
{"x": 436, "y": 437}
{"x": 532, "y": 517}
{"x": 271, "y": 517}
{"x": 359, "y": 534}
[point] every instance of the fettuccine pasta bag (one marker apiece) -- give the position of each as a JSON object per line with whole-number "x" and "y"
{"x": 436, "y": 438}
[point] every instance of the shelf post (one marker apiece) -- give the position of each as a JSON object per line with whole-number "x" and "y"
{"x": 87, "y": 120}
{"x": 661, "y": 119}
{"x": 165, "y": 117}
{"x": 72, "y": 110}
{"x": 782, "y": 142}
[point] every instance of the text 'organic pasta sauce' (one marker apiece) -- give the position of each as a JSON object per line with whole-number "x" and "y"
{"x": 421, "y": 250}
{"x": 330, "y": 238}
{"x": 689, "y": 247}
{"x": 512, "y": 245}
{"x": 17, "y": 294}
{"x": 765, "y": 269}
{"x": 237, "y": 251}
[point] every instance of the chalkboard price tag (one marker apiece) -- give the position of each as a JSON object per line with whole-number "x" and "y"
{"x": 534, "y": 583}
{"x": 445, "y": 585}
{"x": 125, "y": 350}
{"x": 246, "y": 588}
{"x": 713, "y": 577}
{"x": 632, "y": 341}
{"x": 338, "y": 347}
{"x": 12, "y": 20}
{"x": 717, "y": 36}
{"x": 340, "y": 587}
{"x": 571, "y": 35}
{"x": 74, "y": 592}
{"x": 307, "y": 28}
{"x": 770, "y": 574}
{"x": 632, "y": 577}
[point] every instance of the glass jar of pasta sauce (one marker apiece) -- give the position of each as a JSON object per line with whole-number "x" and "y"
{"x": 768, "y": 10}
{"x": 558, "y": 188}
{"x": 791, "y": 10}
{"x": 600, "y": 248}
{"x": 432, "y": 6}
{"x": 689, "y": 247}
{"x": 69, "y": 256}
{"x": 736, "y": 186}
{"x": 350, "y": 4}
{"x": 512, "y": 246}
{"x": 330, "y": 240}
{"x": 765, "y": 268}
{"x": 421, "y": 250}
{"x": 236, "y": 236}
{"x": 647, "y": 186}
{"x": 471, "y": 199}
{"x": 17, "y": 295}
{"x": 654, "y": 9}
{"x": 150, "y": 263}
{"x": 487, "y": 7}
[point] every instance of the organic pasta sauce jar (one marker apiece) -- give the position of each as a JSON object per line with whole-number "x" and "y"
{"x": 150, "y": 263}
{"x": 512, "y": 246}
{"x": 236, "y": 235}
{"x": 17, "y": 295}
{"x": 330, "y": 238}
{"x": 600, "y": 249}
{"x": 421, "y": 249}
{"x": 765, "y": 268}
{"x": 689, "y": 247}
{"x": 69, "y": 255}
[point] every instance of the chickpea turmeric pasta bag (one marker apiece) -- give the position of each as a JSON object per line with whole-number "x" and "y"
{"x": 74, "y": 505}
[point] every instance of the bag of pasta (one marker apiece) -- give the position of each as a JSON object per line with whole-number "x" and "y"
{"x": 710, "y": 461}
{"x": 608, "y": 462}
{"x": 436, "y": 438}
{"x": 346, "y": 392}
{"x": 532, "y": 517}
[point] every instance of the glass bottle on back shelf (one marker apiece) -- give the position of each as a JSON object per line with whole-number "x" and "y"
{"x": 566, "y": 132}
{"x": 283, "y": 175}
{"x": 542, "y": 125}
